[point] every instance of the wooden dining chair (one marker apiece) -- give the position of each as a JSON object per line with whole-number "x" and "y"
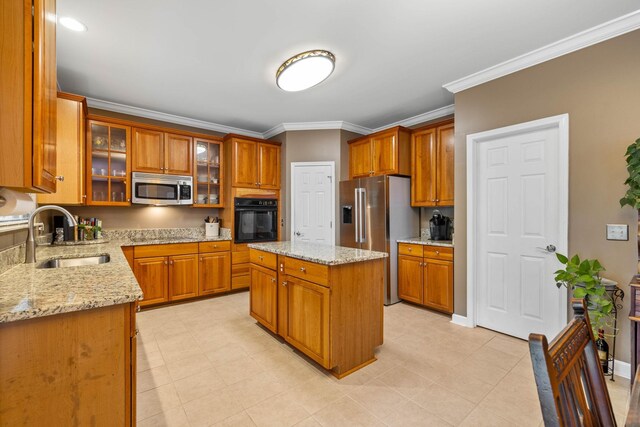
{"x": 571, "y": 386}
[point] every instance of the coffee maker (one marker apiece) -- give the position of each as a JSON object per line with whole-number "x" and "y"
{"x": 440, "y": 226}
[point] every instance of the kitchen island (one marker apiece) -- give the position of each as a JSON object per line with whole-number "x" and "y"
{"x": 326, "y": 301}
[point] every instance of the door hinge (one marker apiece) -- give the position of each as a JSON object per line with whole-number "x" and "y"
{"x": 330, "y": 178}
{"x": 330, "y": 224}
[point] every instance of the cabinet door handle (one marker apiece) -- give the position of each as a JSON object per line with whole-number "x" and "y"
{"x": 60, "y": 178}
{"x": 166, "y": 263}
{"x": 284, "y": 283}
{"x": 273, "y": 280}
{"x": 201, "y": 259}
{"x": 170, "y": 262}
{"x": 303, "y": 269}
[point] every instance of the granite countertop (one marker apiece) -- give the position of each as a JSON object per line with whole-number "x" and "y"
{"x": 318, "y": 253}
{"x": 27, "y": 292}
{"x": 429, "y": 242}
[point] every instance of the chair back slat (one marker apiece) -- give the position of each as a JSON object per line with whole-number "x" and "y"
{"x": 568, "y": 375}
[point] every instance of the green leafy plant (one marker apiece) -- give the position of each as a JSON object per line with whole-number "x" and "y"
{"x": 582, "y": 277}
{"x": 632, "y": 196}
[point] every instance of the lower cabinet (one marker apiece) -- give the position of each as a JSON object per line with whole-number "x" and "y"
{"x": 428, "y": 279}
{"x": 308, "y": 318}
{"x": 152, "y": 276}
{"x": 181, "y": 271}
{"x": 183, "y": 277}
{"x": 214, "y": 273}
{"x": 263, "y": 297}
{"x": 70, "y": 369}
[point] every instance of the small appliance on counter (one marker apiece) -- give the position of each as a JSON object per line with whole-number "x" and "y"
{"x": 440, "y": 226}
{"x": 62, "y": 227}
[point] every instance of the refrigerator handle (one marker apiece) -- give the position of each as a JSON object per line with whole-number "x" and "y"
{"x": 363, "y": 214}
{"x": 356, "y": 213}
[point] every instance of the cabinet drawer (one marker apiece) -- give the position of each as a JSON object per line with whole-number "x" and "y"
{"x": 410, "y": 249}
{"x": 165, "y": 250}
{"x": 265, "y": 259}
{"x": 438, "y": 252}
{"x": 214, "y": 246}
{"x": 316, "y": 273}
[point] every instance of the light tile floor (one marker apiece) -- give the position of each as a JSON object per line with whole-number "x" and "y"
{"x": 208, "y": 363}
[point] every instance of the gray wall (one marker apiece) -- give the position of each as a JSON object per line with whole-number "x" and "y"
{"x": 599, "y": 88}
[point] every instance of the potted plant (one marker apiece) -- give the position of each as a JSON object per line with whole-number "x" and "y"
{"x": 632, "y": 196}
{"x": 582, "y": 277}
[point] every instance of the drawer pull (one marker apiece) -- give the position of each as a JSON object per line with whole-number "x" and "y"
{"x": 260, "y": 257}
{"x": 303, "y": 269}
{"x": 410, "y": 249}
{"x": 437, "y": 252}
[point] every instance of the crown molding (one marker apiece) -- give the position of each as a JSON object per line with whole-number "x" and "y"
{"x": 336, "y": 124}
{"x": 608, "y": 30}
{"x": 282, "y": 127}
{"x": 170, "y": 118}
{"x": 420, "y": 118}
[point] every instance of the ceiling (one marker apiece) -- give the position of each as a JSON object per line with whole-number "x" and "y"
{"x": 216, "y": 60}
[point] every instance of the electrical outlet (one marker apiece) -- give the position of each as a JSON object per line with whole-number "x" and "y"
{"x": 617, "y": 232}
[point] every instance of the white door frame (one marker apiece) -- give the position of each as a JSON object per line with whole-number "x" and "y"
{"x": 561, "y": 122}
{"x": 332, "y": 164}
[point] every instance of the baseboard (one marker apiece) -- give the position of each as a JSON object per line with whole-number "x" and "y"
{"x": 623, "y": 369}
{"x": 456, "y": 319}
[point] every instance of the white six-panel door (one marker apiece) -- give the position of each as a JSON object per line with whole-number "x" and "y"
{"x": 520, "y": 205}
{"x": 313, "y": 202}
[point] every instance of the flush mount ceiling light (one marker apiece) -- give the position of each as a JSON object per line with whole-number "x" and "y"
{"x": 305, "y": 70}
{"x": 72, "y": 24}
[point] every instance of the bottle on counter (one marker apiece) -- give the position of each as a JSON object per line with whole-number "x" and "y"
{"x": 603, "y": 351}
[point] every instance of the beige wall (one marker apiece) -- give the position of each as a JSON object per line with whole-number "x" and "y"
{"x": 146, "y": 216}
{"x": 599, "y": 87}
{"x": 308, "y": 146}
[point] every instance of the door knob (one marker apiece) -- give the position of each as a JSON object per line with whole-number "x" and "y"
{"x": 60, "y": 178}
{"x": 297, "y": 233}
{"x": 550, "y": 248}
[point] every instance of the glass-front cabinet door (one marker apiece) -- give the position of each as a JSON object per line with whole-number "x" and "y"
{"x": 208, "y": 174}
{"x": 108, "y": 164}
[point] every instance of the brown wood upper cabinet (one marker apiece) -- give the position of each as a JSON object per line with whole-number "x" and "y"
{"x": 432, "y": 165}
{"x": 161, "y": 152}
{"x": 70, "y": 132}
{"x": 382, "y": 153}
{"x": 28, "y": 101}
{"x": 255, "y": 163}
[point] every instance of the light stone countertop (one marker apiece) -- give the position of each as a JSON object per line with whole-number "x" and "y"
{"x": 318, "y": 253}
{"x": 27, "y": 292}
{"x": 427, "y": 242}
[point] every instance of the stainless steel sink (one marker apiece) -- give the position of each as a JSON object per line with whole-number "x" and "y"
{"x": 76, "y": 262}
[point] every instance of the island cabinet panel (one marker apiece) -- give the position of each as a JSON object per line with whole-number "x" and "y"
{"x": 410, "y": 287}
{"x": 151, "y": 274}
{"x": 70, "y": 369}
{"x": 263, "y": 296}
{"x": 183, "y": 276}
{"x": 331, "y": 313}
{"x": 214, "y": 273}
{"x": 308, "y": 319}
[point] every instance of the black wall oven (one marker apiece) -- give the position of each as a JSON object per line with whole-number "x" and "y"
{"x": 256, "y": 220}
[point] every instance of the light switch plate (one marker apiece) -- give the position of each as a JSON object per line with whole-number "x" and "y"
{"x": 617, "y": 232}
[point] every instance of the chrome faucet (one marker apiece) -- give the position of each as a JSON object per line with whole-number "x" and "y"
{"x": 31, "y": 242}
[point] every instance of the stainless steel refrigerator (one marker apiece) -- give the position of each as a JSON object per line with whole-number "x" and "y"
{"x": 374, "y": 213}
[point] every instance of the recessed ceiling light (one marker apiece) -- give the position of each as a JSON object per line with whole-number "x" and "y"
{"x": 72, "y": 23}
{"x": 305, "y": 70}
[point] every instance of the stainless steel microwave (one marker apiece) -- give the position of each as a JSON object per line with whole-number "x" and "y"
{"x": 161, "y": 190}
